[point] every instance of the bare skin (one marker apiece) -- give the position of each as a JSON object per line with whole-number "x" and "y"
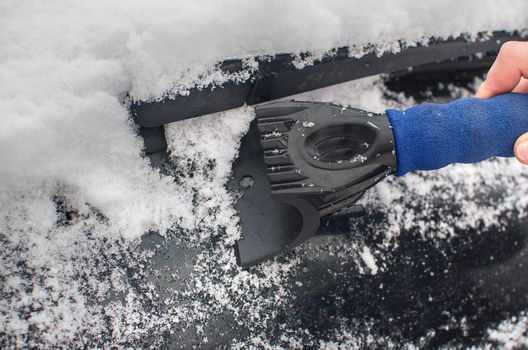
{"x": 509, "y": 73}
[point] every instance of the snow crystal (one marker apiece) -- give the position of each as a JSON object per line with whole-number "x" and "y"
{"x": 358, "y": 158}
{"x": 369, "y": 260}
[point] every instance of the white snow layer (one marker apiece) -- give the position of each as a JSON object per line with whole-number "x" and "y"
{"x": 75, "y": 192}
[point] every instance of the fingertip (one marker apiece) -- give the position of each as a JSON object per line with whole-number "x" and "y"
{"x": 520, "y": 149}
{"x": 484, "y": 91}
{"x": 522, "y": 87}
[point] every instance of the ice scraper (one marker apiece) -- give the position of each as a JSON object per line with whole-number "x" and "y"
{"x": 301, "y": 161}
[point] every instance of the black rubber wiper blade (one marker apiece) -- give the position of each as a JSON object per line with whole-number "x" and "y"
{"x": 277, "y": 77}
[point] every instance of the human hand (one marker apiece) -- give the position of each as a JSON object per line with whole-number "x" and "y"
{"x": 509, "y": 73}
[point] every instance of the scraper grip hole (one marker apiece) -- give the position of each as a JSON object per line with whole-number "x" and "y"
{"x": 339, "y": 142}
{"x": 246, "y": 182}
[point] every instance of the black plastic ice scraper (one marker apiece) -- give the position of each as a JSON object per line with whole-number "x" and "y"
{"x": 301, "y": 161}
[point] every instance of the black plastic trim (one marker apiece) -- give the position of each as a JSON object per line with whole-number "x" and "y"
{"x": 277, "y": 77}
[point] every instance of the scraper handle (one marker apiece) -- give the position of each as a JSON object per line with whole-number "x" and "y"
{"x": 470, "y": 130}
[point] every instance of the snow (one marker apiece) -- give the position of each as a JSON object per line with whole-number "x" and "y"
{"x": 511, "y": 333}
{"x": 369, "y": 260}
{"x": 76, "y": 195}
